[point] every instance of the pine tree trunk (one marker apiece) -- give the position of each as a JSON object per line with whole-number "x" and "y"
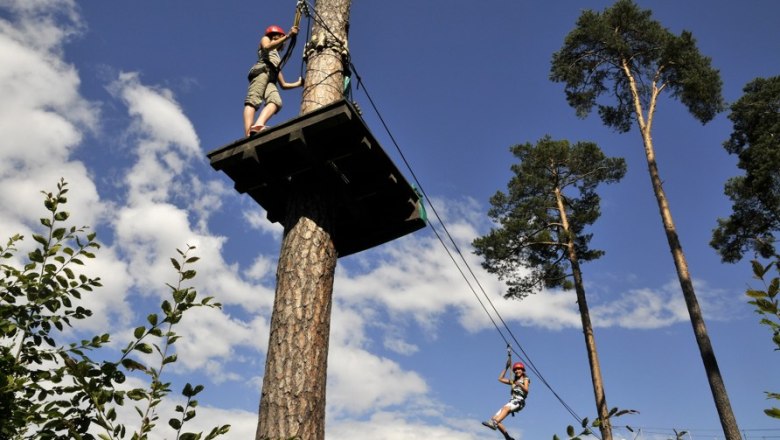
{"x": 292, "y": 403}
{"x": 324, "y": 82}
{"x": 587, "y": 328}
{"x": 717, "y": 386}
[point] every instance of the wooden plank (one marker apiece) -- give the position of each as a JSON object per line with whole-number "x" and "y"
{"x": 330, "y": 148}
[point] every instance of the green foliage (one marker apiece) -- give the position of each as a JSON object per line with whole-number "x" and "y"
{"x": 573, "y": 433}
{"x": 623, "y": 52}
{"x": 766, "y": 304}
{"x": 530, "y": 232}
{"x": 52, "y": 390}
{"x": 755, "y": 216}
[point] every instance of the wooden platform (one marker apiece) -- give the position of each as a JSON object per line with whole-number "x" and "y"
{"x": 330, "y": 148}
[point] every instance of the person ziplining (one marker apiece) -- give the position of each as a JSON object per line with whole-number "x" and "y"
{"x": 519, "y": 391}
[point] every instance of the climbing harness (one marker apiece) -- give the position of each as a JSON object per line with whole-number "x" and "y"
{"x": 516, "y": 393}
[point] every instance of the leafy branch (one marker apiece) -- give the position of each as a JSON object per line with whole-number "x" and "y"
{"x": 766, "y": 304}
{"x": 50, "y": 390}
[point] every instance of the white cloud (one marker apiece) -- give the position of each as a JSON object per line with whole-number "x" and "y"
{"x": 401, "y": 426}
{"x": 165, "y": 139}
{"x": 400, "y": 346}
{"x": 42, "y": 117}
{"x": 381, "y": 382}
{"x": 256, "y": 218}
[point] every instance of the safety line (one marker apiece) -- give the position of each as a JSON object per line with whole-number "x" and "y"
{"x": 530, "y": 363}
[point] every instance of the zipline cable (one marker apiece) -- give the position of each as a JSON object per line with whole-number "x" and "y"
{"x": 457, "y": 249}
{"x": 525, "y": 355}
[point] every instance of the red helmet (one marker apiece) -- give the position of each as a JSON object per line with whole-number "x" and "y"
{"x": 274, "y": 29}
{"x": 518, "y": 365}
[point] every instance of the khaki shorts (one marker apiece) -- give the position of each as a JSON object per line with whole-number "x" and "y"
{"x": 261, "y": 89}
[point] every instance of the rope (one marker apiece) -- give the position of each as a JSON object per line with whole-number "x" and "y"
{"x": 294, "y": 39}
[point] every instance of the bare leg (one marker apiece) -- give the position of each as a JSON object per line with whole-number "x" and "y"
{"x": 501, "y": 414}
{"x": 249, "y": 115}
{"x": 268, "y": 111}
{"x": 499, "y": 417}
{"x": 503, "y": 430}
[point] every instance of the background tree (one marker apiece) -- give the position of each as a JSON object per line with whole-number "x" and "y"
{"x": 755, "y": 212}
{"x": 626, "y": 55}
{"x": 766, "y": 304}
{"x": 551, "y": 199}
{"x": 50, "y": 389}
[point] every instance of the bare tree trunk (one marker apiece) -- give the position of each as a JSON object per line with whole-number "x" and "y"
{"x": 324, "y": 82}
{"x": 292, "y": 404}
{"x": 587, "y": 328}
{"x": 717, "y": 387}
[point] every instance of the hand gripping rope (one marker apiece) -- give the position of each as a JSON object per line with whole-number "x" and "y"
{"x": 300, "y": 8}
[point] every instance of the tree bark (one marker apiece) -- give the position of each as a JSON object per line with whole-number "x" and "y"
{"x": 324, "y": 82}
{"x": 587, "y": 327}
{"x": 717, "y": 386}
{"x": 292, "y": 403}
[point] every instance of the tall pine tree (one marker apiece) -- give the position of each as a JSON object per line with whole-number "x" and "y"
{"x": 629, "y": 57}
{"x": 540, "y": 241}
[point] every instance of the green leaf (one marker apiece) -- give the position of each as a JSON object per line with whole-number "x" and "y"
{"x": 175, "y": 424}
{"x": 756, "y": 293}
{"x": 132, "y": 364}
{"x": 175, "y": 264}
{"x": 136, "y": 394}
{"x": 570, "y": 431}
{"x": 152, "y": 319}
{"x": 758, "y": 269}
{"x": 773, "y": 287}
{"x": 139, "y": 332}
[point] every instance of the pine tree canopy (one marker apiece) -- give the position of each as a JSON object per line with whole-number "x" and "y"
{"x": 608, "y": 51}
{"x": 528, "y": 247}
{"x": 755, "y": 216}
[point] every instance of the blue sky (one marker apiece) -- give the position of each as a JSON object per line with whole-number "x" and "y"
{"x": 124, "y": 100}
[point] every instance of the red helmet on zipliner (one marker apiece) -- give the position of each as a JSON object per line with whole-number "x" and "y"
{"x": 273, "y": 29}
{"x": 518, "y": 365}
